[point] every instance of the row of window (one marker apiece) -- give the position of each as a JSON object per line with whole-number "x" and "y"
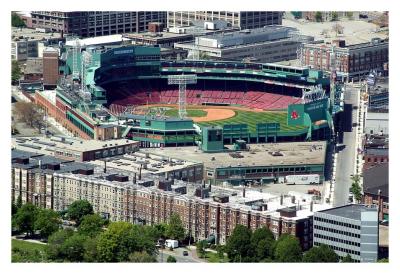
{"x": 345, "y": 250}
{"x": 354, "y": 235}
{"x": 334, "y": 239}
{"x": 336, "y": 223}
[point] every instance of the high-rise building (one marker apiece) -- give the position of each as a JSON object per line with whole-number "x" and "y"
{"x": 242, "y": 19}
{"x": 50, "y": 67}
{"x": 96, "y": 23}
{"x": 351, "y": 229}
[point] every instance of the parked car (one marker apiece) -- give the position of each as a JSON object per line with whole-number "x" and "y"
{"x": 185, "y": 253}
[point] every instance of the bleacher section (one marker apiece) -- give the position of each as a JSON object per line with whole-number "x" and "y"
{"x": 250, "y": 99}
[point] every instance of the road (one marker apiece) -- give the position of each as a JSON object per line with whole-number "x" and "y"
{"x": 177, "y": 253}
{"x": 346, "y": 156}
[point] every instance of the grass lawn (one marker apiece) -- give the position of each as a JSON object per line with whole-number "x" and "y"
{"x": 190, "y": 112}
{"x": 23, "y": 251}
{"x": 253, "y": 118}
{"x": 213, "y": 258}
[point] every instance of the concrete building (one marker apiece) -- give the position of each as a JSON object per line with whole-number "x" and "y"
{"x": 50, "y": 67}
{"x": 376, "y": 189}
{"x": 33, "y": 70}
{"x": 260, "y": 162}
{"x": 207, "y": 212}
{"x": 352, "y": 61}
{"x": 28, "y": 43}
{"x": 74, "y": 149}
{"x": 351, "y": 229}
{"x": 241, "y": 19}
{"x": 376, "y": 123}
{"x": 267, "y": 44}
{"x": 96, "y": 23}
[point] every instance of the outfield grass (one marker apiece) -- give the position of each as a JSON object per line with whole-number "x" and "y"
{"x": 190, "y": 112}
{"x": 253, "y": 118}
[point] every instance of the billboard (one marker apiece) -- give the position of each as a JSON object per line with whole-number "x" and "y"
{"x": 295, "y": 115}
{"x": 315, "y": 109}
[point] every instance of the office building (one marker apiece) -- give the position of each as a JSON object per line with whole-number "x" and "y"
{"x": 96, "y": 23}
{"x": 268, "y": 45}
{"x": 351, "y": 229}
{"x": 50, "y": 67}
{"x": 242, "y": 19}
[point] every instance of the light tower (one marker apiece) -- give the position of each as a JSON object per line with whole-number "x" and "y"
{"x": 76, "y": 49}
{"x": 182, "y": 81}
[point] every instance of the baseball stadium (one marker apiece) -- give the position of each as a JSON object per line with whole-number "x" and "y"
{"x": 170, "y": 103}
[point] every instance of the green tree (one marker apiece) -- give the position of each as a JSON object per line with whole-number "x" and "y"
{"x": 142, "y": 257}
{"x": 384, "y": 260}
{"x": 56, "y": 240}
{"x": 262, "y": 241}
{"x": 14, "y": 209}
{"x": 19, "y": 202}
{"x": 318, "y": 16}
{"x": 24, "y": 219}
{"x": 320, "y": 254}
{"x": 118, "y": 242}
{"x": 238, "y": 245}
{"x": 47, "y": 222}
{"x": 171, "y": 259}
{"x": 90, "y": 249}
{"x": 288, "y": 249}
{"x": 175, "y": 228}
{"x": 73, "y": 248}
{"x": 157, "y": 231}
{"x": 356, "y": 188}
{"x": 15, "y": 72}
{"x": 78, "y": 209}
{"x": 350, "y": 15}
{"x": 335, "y": 16}
{"x": 91, "y": 225}
{"x": 347, "y": 259}
{"x": 16, "y": 21}
{"x": 201, "y": 248}
{"x": 220, "y": 251}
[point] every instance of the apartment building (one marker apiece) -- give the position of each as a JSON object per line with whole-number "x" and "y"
{"x": 351, "y": 61}
{"x": 96, "y": 23}
{"x": 207, "y": 212}
{"x": 351, "y": 229}
{"x": 240, "y": 19}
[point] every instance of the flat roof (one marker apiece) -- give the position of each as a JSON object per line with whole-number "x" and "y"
{"x": 352, "y": 211}
{"x": 298, "y": 153}
{"x": 377, "y": 178}
{"x": 50, "y": 145}
{"x": 153, "y": 118}
{"x": 32, "y": 34}
{"x": 107, "y": 39}
{"x": 34, "y": 65}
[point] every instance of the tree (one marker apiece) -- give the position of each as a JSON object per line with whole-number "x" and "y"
{"x": 29, "y": 114}
{"x": 14, "y": 209}
{"x": 201, "y": 248}
{"x": 90, "y": 249}
{"x": 288, "y": 249}
{"x": 335, "y": 16}
{"x": 347, "y": 259}
{"x": 318, "y": 16}
{"x": 25, "y": 218}
{"x": 16, "y": 21}
{"x": 320, "y": 254}
{"x": 91, "y": 225}
{"x": 171, "y": 259}
{"x": 56, "y": 240}
{"x": 238, "y": 245}
{"x": 384, "y": 260}
{"x": 15, "y": 72}
{"x": 78, "y": 209}
{"x": 73, "y": 248}
{"x": 337, "y": 28}
{"x": 220, "y": 251}
{"x": 19, "y": 202}
{"x": 175, "y": 228}
{"x": 120, "y": 240}
{"x": 262, "y": 241}
{"x": 356, "y": 188}
{"x": 349, "y": 15}
{"x": 47, "y": 222}
{"x": 157, "y": 231}
{"x": 142, "y": 257}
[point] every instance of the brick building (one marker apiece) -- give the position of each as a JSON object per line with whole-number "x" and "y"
{"x": 352, "y": 61}
{"x": 207, "y": 212}
{"x": 50, "y": 67}
{"x": 376, "y": 189}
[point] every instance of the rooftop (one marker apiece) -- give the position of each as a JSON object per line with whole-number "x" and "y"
{"x": 153, "y": 118}
{"x": 22, "y": 34}
{"x": 49, "y": 146}
{"x": 34, "y": 66}
{"x": 377, "y": 178}
{"x": 352, "y": 211}
{"x": 99, "y": 40}
{"x": 259, "y": 155}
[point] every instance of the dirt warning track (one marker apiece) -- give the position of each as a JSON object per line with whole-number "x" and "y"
{"x": 214, "y": 114}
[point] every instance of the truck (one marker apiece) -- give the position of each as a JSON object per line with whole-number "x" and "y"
{"x": 305, "y": 179}
{"x": 171, "y": 243}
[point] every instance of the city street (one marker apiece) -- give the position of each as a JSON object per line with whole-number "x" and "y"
{"x": 346, "y": 156}
{"x": 177, "y": 253}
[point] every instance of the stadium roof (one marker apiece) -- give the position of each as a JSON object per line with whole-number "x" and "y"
{"x": 108, "y": 39}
